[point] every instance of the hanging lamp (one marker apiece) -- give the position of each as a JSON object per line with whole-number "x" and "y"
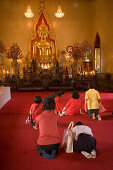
{"x": 59, "y": 13}
{"x": 28, "y": 13}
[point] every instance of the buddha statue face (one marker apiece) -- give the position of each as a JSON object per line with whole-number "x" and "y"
{"x": 43, "y": 31}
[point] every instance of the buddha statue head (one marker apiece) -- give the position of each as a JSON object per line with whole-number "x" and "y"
{"x": 43, "y": 31}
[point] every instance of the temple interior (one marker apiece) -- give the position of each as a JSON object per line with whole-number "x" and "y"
{"x": 46, "y": 51}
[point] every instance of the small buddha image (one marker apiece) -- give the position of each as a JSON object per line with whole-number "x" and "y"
{"x": 88, "y": 66}
{"x": 43, "y": 48}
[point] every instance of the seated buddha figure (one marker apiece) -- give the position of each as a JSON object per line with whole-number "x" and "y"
{"x": 43, "y": 48}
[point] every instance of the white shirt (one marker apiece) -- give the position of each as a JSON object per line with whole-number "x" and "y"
{"x": 81, "y": 129}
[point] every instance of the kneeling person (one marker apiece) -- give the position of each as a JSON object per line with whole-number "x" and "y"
{"x": 49, "y": 140}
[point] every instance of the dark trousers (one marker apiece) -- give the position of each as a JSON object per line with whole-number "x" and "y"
{"x": 84, "y": 142}
{"x": 95, "y": 111}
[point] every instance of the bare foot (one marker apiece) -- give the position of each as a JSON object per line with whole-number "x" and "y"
{"x": 34, "y": 127}
{"x": 82, "y": 113}
{"x": 93, "y": 116}
{"x": 93, "y": 154}
{"x": 99, "y": 118}
{"x": 86, "y": 154}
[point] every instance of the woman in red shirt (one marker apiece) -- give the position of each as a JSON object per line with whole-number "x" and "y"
{"x": 73, "y": 106}
{"x": 49, "y": 140}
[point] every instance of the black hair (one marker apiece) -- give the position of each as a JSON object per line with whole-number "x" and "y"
{"x": 79, "y": 123}
{"x": 61, "y": 92}
{"x": 37, "y": 99}
{"x": 49, "y": 105}
{"x": 75, "y": 95}
{"x": 91, "y": 86}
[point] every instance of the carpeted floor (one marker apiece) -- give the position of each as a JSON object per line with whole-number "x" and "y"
{"x": 18, "y": 140}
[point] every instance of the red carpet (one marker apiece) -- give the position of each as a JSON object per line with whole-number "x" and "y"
{"x": 18, "y": 140}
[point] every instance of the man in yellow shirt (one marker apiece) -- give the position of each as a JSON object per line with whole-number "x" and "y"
{"x": 92, "y": 99}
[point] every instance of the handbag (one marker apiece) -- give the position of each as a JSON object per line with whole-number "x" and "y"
{"x": 68, "y": 138}
{"x": 29, "y": 118}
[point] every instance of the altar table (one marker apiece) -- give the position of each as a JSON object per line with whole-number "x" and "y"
{"x": 5, "y": 95}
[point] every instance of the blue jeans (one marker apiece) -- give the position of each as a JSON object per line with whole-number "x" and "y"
{"x": 49, "y": 156}
{"x": 48, "y": 149}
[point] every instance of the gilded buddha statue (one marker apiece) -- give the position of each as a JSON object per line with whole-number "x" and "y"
{"x": 43, "y": 48}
